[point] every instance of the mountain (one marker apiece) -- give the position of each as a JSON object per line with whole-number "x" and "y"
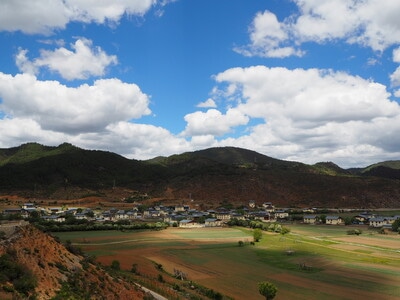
{"x": 386, "y": 169}
{"x": 210, "y": 176}
{"x": 35, "y": 266}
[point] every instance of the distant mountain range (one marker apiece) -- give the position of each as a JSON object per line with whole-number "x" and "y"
{"x": 211, "y": 176}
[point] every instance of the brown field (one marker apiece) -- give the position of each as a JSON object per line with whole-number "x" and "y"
{"x": 345, "y": 268}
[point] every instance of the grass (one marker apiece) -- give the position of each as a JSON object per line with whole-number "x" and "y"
{"x": 235, "y": 271}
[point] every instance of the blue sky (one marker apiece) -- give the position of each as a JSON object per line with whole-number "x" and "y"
{"x": 299, "y": 80}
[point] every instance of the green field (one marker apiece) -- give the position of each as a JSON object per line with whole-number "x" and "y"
{"x": 339, "y": 266}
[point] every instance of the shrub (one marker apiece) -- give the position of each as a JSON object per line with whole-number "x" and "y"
{"x": 354, "y": 232}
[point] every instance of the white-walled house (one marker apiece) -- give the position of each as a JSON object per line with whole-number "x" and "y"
{"x": 189, "y": 224}
{"x": 334, "y": 220}
{"x": 310, "y": 219}
{"x": 212, "y": 222}
{"x": 281, "y": 214}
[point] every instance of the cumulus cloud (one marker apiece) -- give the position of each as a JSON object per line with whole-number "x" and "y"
{"x": 46, "y": 16}
{"x": 16, "y": 131}
{"x": 208, "y": 103}
{"x": 213, "y": 122}
{"x": 313, "y": 113}
{"x": 60, "y": 108}
{"x": 395, "y": 76}
{"x": 268, "y": 38}
{"x": 69, "y": 63}
{"x": 138, "y": 141}
{"x": 367, "y": 23}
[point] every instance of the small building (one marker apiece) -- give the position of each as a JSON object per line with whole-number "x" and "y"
{"x": 364, "y": 217}
{"x": 223, "y": 215}
{"x": 212, "y": 222}
{"x": 281, "y": 214}
{"x": 54, "y": 218}
{"x": 12, "y": 211}
{"x": 28, "y": 206}
{"x": 252, "y": 203}
{"x": 333, "y": 220}
{"x": 378, "y": 222}
{"x": 309, "y": 210}
{"x": 310, "y": 219}
{"x": 186, "y": 223}
{"x": 268, "y": 207}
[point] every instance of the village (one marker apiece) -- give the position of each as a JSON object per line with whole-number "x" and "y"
{"x": 186, "y": 217}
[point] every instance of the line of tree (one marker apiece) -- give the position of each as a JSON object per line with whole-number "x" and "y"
{"x": 272, "y": 227}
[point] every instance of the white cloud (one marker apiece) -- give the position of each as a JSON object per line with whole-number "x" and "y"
{"x": 213, "y": 122}
{"x": 396, "y": 55}
{"x": 69, "y": 63}
{"x": 367, "y": 23}
{"x": 46, "y": 16}
{"x": 138, "y": 141}
{"x": 16, "y": 131}
{"x": 23, "y": 63}
{"x": 313, "y": 114}
{"x": 57, "y": 107}
{"x": 209, "y": 103}
{"x": 268, "y": 38}
{"x": 395, "y": 77}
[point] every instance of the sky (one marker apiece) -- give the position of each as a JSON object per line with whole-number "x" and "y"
{"x": 299, "y": 80}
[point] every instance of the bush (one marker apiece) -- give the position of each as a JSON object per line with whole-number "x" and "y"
{"x": 22, "y": 279}
{"x": 354, "y": 232}
{"x": 115, "y": 265}
{"x": 25, "y": 284}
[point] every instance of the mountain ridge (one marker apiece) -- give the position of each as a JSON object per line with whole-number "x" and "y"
{"x": 211, "y": 175}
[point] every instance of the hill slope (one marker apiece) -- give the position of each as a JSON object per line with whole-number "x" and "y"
{"x": 209, "y": 176}
{"x": 49, "y": 267}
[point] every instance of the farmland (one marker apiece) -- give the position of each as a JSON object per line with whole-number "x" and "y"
{"x": 334, "y": 265}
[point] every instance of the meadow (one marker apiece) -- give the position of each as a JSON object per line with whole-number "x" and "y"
{"x": 311, "y": 262}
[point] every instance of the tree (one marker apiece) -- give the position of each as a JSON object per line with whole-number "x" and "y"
{"x": 115, "y": 265}
{"x": 257, "y": 234}
{"x": 396, "y": 225}
{"x": 284, "y": 230}
{"x": 134, "y": 269}
{"x": 267, "y": 289}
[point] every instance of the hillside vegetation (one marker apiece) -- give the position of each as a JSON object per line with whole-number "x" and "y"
{"x": 209, "y": 176}
{"x": 35, "y": 266}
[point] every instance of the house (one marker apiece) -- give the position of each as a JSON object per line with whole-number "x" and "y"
{"x": 212, "y": 222}
{"x": 238, "y": 216}
{"x": 121, "y": 215}
{"x": 310, "y": 219}
{"x": 378, "y": 222}
{"x": 281, "y": 214}
{"x": 54, "y": 210}
{"x": 54, "y": 218}
{"x": 189, "y": 224}
{"x": 80, "y": 216}
{"x": 390, "y": 220}
{"x": 364, "y": 217}
{"x": 223, "y": 216}
{"x": 252, "y": 203}
{"x": 28, "y": 206}
{"x": 262, "y": 216}
{"x": 333, "y": 220}
{"x": 179, "y": 208}
{"x": 268, "y": 207}
{"x": 12, "y": 211}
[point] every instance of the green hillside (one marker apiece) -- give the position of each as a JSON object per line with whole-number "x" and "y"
{"x": 212, "y": 175}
